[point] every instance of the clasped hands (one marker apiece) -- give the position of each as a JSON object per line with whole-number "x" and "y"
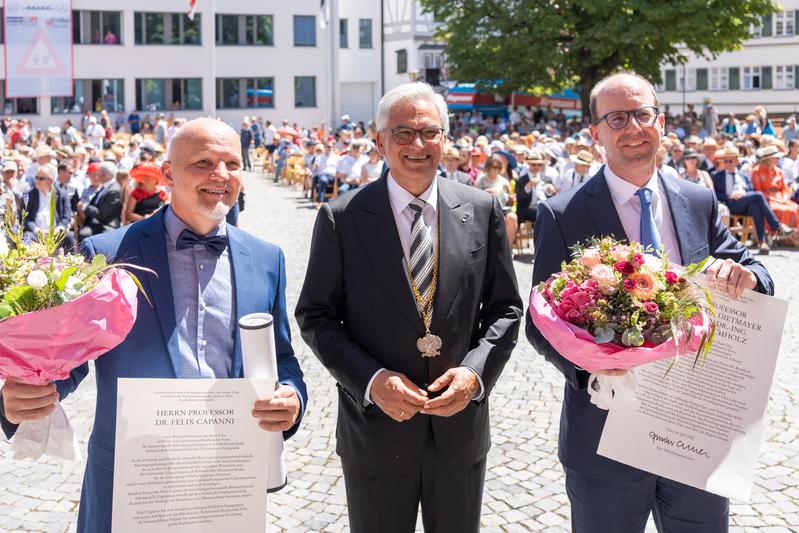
{"x": 23, "y": 402}
{"x": 401, "y": 399}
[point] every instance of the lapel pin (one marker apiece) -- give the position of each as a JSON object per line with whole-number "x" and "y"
{"x": 465, "y": 218}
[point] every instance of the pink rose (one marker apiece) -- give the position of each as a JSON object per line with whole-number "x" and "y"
{"x": 625, "y": 267}
{"x": 638, "y": 259}
{"x": 671, "y": 277}
{"x": 629, "y": 285}
{"x": 651, "y": 308}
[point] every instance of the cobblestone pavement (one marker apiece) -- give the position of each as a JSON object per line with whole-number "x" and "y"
{"x": 524, "y": 484}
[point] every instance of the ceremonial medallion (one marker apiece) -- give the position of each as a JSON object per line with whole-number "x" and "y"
{"x": 429, "y": 345}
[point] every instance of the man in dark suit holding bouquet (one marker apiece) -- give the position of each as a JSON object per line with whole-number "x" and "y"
{"x": 629, "y": 199}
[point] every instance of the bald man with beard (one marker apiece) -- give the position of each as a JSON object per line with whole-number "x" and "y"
{"x": 209, "y": 275}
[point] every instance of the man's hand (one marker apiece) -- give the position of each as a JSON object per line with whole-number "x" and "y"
{"x": 279, "y": 413}
{"x": 396, "y": 395}
{"x": 461, "y": 384}
{"x": 23, "y": 402}
{"x": 736, "y": 195}
{"x": 730, "y": 277}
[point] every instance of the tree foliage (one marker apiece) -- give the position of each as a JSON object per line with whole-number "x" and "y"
{"x": 546, "y": 45}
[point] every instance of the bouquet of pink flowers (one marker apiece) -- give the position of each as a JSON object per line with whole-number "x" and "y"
{"x": 616, "y": 306}
{"x": 57, "y": 311}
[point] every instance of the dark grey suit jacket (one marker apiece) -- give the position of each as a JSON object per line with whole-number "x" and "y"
{"x": 358, "y": 315}
{"x": 575, "y": 216}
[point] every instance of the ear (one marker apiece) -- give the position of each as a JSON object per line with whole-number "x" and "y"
{"x": 381, "y": 149}
{"x": 594, "y": 131}
{"x": 166, "y": 172}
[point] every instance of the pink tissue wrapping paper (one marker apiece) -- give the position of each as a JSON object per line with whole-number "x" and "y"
{"x": 46, "y": 345}
{"x": 578, "y": 346}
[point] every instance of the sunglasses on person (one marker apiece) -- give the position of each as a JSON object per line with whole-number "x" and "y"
{"x": 42, "y": 178}
{"x": 403, "y": 135}
{"x": 496, "y": 167}
{"x": 618, "y": 120}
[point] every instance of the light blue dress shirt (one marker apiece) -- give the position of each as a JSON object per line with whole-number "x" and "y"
{"x": 202, "y": 290}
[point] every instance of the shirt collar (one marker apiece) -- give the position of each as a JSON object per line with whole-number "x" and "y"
{"x": 400, "y": 198}
{"x": 175, "y": 226}
{"x": 622, "y": 190}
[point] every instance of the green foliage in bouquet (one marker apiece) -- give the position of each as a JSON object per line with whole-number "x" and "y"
{"x": 37, "y": 275}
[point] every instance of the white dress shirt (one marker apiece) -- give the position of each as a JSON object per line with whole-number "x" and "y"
{"x": 628, "y": 206}
{"x": 399, "y": 199}
{"x": 43, "y": 214}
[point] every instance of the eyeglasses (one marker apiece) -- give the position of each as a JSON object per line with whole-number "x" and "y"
{"x": 618, "y": 120}
{"x": 535, "y": 163}
{"x": 496, "y": 167}
{"x": 403, "y": 135}
{"x": 42, "y": 178}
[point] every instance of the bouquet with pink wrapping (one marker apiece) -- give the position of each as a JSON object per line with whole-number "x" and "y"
{"x": 44, "y": 346}
{"x": 614, "y": 306}
{"x": 57, "y": 311}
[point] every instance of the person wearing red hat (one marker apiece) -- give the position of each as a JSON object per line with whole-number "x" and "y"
{"x": 149, "y": 194}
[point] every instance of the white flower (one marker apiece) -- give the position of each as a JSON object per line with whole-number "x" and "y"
{"x": 3, "y": 246}
{"x": 37, "y": 279}
{"x": 55, "y": 275}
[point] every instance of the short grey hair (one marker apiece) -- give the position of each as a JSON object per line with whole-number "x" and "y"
{"x": 408, "y": 92}
{"x": 51, "y": 169}
{"x": 109, "y": 169}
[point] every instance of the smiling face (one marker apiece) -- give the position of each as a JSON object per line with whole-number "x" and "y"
{"x": 204, "y": 173}
{"x": 412, "y": 165}
{"x": 630, "y": 150}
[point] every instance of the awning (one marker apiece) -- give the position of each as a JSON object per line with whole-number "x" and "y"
{"x": 566, "y": 100}
{"x": 465, "y": 97}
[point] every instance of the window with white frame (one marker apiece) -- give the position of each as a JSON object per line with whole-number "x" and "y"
{"x": 719, "y": 78}
{"x": 686, "y": 79}
{"x": 784, "y": 77}
{"x": 784, "y": 24}
{"x": 751, "y": 78}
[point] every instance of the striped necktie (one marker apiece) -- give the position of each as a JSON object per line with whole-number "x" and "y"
{"x": 649, "y": 231}
{"x": 421, "y": 252}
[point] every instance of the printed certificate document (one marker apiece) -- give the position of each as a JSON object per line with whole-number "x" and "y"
{"x": 703, "y": 427}
{"x": 189, "y": 456}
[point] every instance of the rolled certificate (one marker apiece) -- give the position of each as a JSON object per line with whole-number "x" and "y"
{"x": 259, "y": 358}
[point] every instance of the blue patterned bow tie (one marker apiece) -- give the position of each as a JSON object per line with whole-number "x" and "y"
{"x": 188, "y": 239}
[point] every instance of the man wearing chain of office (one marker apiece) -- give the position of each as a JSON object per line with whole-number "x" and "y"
{"x": 410, "y": 301}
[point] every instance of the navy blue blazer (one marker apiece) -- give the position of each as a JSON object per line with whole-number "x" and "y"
{"x": 151, "y": 348}
{"x": 575, "y": 216}
{"x": 63, "y": 211}
{"x": 720, "y": 184}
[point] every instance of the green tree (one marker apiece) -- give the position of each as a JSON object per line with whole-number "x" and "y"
{"x": 546, "y": 45}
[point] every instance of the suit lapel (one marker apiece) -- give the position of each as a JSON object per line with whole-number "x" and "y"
{"x": 600, "y": 206}
{"x": 375, "y": 223}
{"x": 454, "y": 223}
{"x": 159, "y": 288}
{"x": 242, "y": 269}
{"x": 684, "y": 228}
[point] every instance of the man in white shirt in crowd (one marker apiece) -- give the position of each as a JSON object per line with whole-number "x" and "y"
{"x": 326, "y": 164}
{"x": 580, "y": 172}
{"x": 42, "y": 156}
{"x": 95, "y": 133}
{"x": 348, "y": 170}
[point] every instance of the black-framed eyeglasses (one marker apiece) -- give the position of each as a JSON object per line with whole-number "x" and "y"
{"x": 618, "y": 120}
{"x": 403, "y": 135}
{"x": 42, "y": 178}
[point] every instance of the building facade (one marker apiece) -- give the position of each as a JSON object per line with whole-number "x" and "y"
{"x": 764, "y": 72}
{"x": 410, "y": 52}
{"x": 244, "y": 58}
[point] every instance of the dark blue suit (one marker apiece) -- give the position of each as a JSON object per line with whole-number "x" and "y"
{"x": 151, "y": 348}
{"x": 607, "y": 496}
{"x": 63, "y": 214}
{"x": 752, "y": 203}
